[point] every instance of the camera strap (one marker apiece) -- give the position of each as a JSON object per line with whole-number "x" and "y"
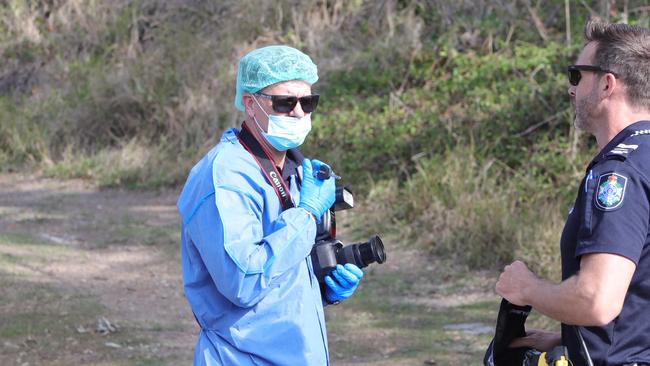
{"x": 264, "y": 160}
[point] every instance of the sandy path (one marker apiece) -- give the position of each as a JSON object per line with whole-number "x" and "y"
{"x": 101, "y": 254}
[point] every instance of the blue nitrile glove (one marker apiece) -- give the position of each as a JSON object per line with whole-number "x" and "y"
{"x": 316, "y": 196}
{"x": 347, "y": 278}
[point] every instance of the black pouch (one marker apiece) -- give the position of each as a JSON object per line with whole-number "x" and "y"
{"x": 510, "y": 325}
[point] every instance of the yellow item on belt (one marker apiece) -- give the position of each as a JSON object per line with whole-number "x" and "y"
{"x": 561, "y": 362}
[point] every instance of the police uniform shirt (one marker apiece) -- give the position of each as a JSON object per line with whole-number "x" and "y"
{"x": 291, "y": 165}
{"x": 611, "y": 215}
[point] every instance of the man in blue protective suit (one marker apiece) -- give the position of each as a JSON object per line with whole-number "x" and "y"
{"x": 603, "y": 300}
{"x": 249, "y": 211}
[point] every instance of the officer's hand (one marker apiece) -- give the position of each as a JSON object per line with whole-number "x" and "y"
{"x": 540, "y": 340}
{"x": 514, "y": 283}
{"x": 316, "y": 196}
{"x": 345, "y": 281}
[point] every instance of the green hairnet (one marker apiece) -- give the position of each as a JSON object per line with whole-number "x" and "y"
{"x": 269, "y": 65}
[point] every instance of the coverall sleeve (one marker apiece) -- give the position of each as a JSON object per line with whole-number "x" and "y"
{"x": 244, "y": 258}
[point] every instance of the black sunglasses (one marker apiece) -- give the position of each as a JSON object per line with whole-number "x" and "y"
{"x": 575, "y": 75}
{"x": 286, "y": 103}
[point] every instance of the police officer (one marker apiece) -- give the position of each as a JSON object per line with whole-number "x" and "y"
{"x": 605, "y": 288}
{"x": 248, "y": 213}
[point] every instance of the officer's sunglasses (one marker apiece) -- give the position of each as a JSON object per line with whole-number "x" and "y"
{"x": 286, "y": 103}
{"x": 575, "y": 72}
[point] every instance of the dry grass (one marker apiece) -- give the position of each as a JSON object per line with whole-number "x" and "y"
{"x": 470, "y": 211}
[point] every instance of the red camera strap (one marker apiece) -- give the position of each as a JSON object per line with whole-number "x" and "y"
{"x": 263, "y": 159}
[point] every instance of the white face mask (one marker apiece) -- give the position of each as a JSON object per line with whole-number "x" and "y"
{"x": 285, "y": 132}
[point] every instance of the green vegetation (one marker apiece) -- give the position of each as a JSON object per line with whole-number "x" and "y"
{"x": 449, "y": 120}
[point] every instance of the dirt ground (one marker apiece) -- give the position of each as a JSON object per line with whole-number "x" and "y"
{"x": 92, "y": 277}
{"x": 89, "y": 276}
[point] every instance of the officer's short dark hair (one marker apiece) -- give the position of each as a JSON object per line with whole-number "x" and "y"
{"x": 624, "y": 49}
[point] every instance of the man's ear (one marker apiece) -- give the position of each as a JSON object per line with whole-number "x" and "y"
{"x": 247, "y": 101}
{"x": 608, "y": 85}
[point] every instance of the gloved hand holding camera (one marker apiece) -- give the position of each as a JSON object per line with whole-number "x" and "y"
{"x": 316, "y": 195}
{"x": 337, "y": 267}
{"x": 345, "y": 281}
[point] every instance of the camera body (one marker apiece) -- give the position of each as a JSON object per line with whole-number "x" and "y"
{"x": 328, "y": 251}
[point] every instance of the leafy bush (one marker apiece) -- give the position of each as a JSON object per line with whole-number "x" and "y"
{"x": 449, "y": 98}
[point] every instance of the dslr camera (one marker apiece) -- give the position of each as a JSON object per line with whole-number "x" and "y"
{"x": 328, "y": 251}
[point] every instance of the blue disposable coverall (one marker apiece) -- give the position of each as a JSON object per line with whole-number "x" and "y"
{"x": 247, "y": 273}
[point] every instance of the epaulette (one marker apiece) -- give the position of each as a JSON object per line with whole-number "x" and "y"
{"x": 621, "y": 151}
{"x": 640, "y": 132}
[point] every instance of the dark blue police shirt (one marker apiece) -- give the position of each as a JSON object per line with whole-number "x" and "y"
{"x": 612, "y": 215}
{"x": 292, "y": 161}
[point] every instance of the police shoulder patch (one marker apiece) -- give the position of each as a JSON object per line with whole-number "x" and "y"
{"x": 611, "y": 191}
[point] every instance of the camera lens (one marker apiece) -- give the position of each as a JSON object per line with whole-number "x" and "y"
{"x": 373, "y": 251}
{"x": 362, "y": 254}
